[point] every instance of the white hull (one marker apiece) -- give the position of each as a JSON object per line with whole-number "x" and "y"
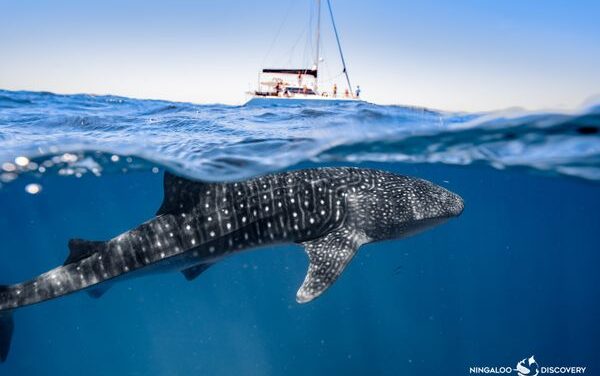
{"x": 302, "y": 100}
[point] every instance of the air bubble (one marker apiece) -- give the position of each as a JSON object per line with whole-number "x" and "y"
{"x": 69, "y": 158}
{"x": 8, "y": 167}
{"x": 8, "y": 177}
{"x": 33, "y": 189}
{"x": 22, "y": 161}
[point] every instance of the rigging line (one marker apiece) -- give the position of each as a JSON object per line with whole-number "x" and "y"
{"x": 292, "y": 50}
{"x": 293, "y": 47}
{"x": 337, "y": 38}
{"x": 287, "y": 13}
{"x": 331, "y": 79}
{"x": 308, "y": 46}
{"x": 318, "y": 35}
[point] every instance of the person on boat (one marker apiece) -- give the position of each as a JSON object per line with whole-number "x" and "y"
{"x": 347, "y": 93}
{"x": 334, "y": 90}
{"x": 277, "y": 88}
{"x": 357, "y": 91}
{"x": 304, "y": 89}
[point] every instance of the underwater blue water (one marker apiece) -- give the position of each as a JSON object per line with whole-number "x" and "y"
{"x": 514, "y": 276}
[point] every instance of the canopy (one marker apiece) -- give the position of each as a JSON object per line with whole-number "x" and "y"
{"x": 310, "y": 72}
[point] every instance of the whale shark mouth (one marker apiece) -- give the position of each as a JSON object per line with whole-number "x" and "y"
{"x": 420, "y": 225}
{"x": 458, "y": 205}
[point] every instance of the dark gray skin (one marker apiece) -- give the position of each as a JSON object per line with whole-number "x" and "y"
{"x": 330, "y": 211}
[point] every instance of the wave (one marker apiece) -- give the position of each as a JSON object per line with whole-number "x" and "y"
{"x": 77, "y": 134}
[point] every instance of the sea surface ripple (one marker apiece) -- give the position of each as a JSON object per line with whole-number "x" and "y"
{"x": 44, "y": 133}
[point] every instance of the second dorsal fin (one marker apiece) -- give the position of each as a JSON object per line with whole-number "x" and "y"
{"x": 80, "y": 249}
{"x": 181, "y": 193}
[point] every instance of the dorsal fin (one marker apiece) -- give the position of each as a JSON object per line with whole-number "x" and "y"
{"x": 80, "y": 249}
{"x": 193, "y": 272}
{"x": 181, "y": 193}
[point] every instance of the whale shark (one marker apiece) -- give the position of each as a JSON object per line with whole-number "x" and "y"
{"x": 331, "y": 212}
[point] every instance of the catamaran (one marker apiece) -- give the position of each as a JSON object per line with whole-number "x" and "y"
{"x": 301, "y": 85}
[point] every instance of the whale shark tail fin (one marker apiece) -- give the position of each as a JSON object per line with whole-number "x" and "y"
{"x": 6, "y": 329}
{"x": 80, "y": 249}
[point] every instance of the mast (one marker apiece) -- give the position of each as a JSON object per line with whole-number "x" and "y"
{"x": 337, "y": 38}
{"x": 318, "y": 37}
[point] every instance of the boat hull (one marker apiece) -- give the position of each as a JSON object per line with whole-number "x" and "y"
{"x": 283, "y": 101}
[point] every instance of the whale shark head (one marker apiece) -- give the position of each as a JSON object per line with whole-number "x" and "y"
{"x": 380, "y": 206}
{"x": 402, "y": 206}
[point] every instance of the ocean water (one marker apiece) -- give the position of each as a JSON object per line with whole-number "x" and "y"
{"x": 515, "y": 276}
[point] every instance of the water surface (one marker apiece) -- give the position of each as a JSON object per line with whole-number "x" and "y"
{"x": 514, "y": 276}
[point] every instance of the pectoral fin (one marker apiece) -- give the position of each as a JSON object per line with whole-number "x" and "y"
{"x": 193, "y": 272}
{"x": 97, "y": 292}
{"x": 328, "y": 257}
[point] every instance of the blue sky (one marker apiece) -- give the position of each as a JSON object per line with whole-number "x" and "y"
{"x": 454, "y": 55}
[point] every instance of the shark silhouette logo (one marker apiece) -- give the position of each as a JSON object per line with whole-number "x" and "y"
{"x": 528, "y": 367}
